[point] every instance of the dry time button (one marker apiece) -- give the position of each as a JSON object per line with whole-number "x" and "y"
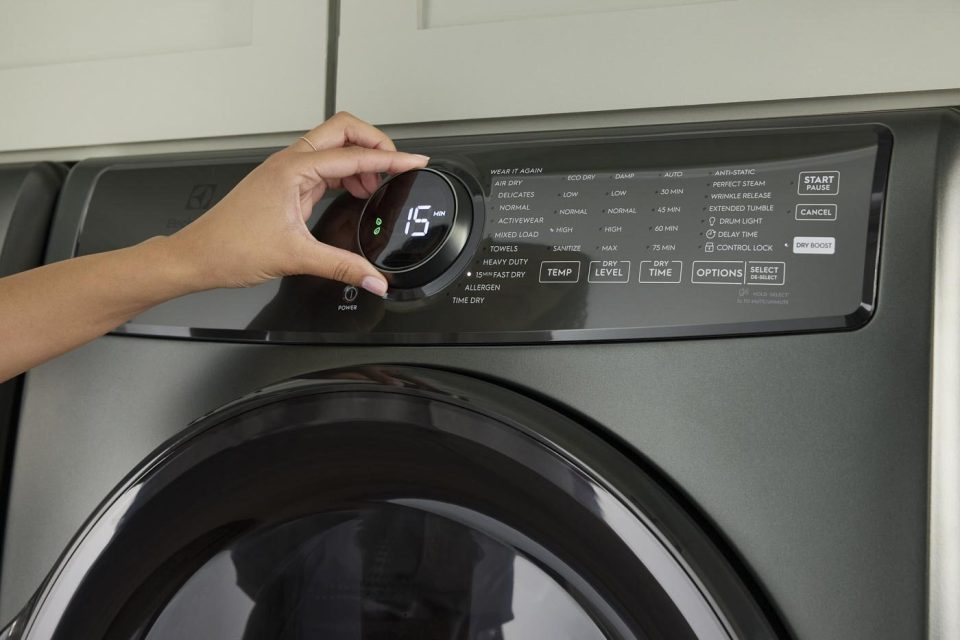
{"x": 661, "y": 271}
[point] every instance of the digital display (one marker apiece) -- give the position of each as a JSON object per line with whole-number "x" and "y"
{"x": 407, "y": 220}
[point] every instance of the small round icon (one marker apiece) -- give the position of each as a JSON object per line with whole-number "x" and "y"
{"x": 350, "y": 293}
{"x": 711, "y": 233}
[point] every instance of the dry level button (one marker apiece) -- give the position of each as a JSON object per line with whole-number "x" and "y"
{"x": 609, "y": 271}
{"x": 560, "y": 271}
{"x": 661, "y": 271}
{"x": 771, "y": 273}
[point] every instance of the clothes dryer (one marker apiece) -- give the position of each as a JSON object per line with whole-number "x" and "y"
{"x": 652, "y": 382}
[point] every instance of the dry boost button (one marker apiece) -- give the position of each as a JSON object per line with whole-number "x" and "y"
{"x": 772, "y": 273}
{"x": 560, "y": 271}
{"x": 816, "y": 245}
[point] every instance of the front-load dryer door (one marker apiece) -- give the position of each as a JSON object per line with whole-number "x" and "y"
{"x": 392, "y": 502}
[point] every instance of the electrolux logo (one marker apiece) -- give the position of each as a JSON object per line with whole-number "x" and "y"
{"x": 201, "y": 196}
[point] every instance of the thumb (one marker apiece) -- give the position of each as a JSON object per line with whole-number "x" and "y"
{"x": 333, "y": 263}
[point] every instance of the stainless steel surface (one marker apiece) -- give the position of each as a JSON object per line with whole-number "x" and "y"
{"x": 801, "y": 501}
{"x": 434, "y": 432}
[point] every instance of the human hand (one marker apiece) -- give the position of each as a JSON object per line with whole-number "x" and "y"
{"x": 258, "y": 231}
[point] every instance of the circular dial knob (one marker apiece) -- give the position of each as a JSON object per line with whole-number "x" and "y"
{"x": 415, "y": 225}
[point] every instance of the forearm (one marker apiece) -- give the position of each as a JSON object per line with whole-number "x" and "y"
{"x": 255, "y": 233}
{"x": 50, "y": 310}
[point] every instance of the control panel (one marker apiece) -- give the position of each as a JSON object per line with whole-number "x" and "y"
{"x": 582, "y": 236}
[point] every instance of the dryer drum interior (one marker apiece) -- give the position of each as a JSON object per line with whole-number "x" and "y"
{"x": 411, "y": 503}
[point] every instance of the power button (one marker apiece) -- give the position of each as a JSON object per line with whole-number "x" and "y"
{"x": 350, "y": 293}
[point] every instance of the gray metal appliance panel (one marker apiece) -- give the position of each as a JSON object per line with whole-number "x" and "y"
{"x": 810, "y": 452}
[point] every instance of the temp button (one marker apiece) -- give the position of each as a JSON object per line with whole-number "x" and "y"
{"x": 556, "y": 271}
{"x": 613, "y": 271}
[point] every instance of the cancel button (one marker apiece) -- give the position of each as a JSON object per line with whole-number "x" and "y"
{"x": 766, "y": 273}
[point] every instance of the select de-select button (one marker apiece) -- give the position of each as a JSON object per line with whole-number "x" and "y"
{"x": 771, "y": 273}
{"x": 560, "y": 271}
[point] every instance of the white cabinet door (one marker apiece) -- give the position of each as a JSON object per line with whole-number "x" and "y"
{"x": 429, "y": 60}
{"x": 106, "y": 71}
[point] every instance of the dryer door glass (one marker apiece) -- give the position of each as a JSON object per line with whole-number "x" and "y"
{"x": 382, "y": 572}
{"x": 396, "y": 503}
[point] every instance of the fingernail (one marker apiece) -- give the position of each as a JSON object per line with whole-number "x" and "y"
{"x": 421, "y": 156}
{"x": 376, "y": 286}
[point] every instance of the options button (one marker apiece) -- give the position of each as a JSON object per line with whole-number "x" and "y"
{"x": 559, "y": 271}
{"x": 766, "y": 273}
{"x": 661, "y": 271}
{"x": 717, "y": 272}
{"x": 612, "y": 271}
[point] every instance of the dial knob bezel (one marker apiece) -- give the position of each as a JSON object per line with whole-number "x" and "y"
{"x": 414, "y": 281}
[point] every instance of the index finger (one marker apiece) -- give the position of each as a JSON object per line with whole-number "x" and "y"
{"x": 350, "y": 161}
{"x": 344, "y": 129}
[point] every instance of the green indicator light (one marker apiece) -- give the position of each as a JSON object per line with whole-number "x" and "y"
{"x": 376, "y": 231}
{"x": 379, "y": 222}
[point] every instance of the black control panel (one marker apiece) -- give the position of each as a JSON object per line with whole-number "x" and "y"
{"x": 582, "y": 236}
